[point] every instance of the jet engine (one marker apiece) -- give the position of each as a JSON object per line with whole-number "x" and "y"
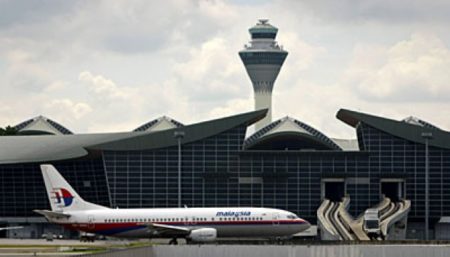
{"x": 203, "y": 235}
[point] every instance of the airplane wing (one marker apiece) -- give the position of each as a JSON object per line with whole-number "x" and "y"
{"x": 52, "y": 214}
{"x": 8, "y": 228}
{"x": 163, "y": 229}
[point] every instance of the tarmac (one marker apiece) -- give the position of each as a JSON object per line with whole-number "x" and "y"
{"x": 57, "y": 247}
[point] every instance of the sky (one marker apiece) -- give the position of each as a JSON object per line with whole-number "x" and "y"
{"x": 106, "y": 66}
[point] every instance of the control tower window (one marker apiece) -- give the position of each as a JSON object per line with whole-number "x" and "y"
{"x": 264, "y": 35}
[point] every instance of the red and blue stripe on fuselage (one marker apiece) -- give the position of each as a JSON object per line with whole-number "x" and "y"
{"x": 111, "y": 229}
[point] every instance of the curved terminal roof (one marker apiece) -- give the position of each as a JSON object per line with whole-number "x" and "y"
{"x": 45, "y": 148}
{"x": 416, "y": 121}
{"x": 407, "y": 130}
{"x": 289, "y": 134}
{"x": 158, "y": 124}
{"x": 41, "y": 125}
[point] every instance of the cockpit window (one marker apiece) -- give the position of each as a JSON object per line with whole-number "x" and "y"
{"x": 291, "y": 216}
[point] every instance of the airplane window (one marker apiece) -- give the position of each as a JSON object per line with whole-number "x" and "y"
{"x": 292, "y": 217}
{"x": 212, "y": 219}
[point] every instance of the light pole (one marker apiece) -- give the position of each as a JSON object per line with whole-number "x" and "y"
{"x": 427, "y": 136}
{"x": 179, "y": 135}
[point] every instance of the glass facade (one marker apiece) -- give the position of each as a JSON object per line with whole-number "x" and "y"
{"x": 150, "y": 178}
{"x": 22, "y": 187}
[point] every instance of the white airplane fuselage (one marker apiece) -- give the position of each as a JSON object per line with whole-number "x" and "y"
{"x": 229, "y": 222}
{"x": 197, "y": 224}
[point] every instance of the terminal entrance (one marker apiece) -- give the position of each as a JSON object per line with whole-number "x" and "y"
{"x": 393, "y": 189}
{"x": 333, "y": 189}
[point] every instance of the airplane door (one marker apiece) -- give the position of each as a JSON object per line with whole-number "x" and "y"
{"x": 91, "y": 222}
{"x": 275, "y": 219}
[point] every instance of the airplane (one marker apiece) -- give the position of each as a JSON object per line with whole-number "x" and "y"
{"x": 193, "y": 224}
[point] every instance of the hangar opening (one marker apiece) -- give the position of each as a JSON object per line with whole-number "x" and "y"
{"x": 393, "y": 189}
{"x": 333, "y": 189}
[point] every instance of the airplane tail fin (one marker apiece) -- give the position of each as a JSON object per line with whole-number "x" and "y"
{"x": 61, "y": 195}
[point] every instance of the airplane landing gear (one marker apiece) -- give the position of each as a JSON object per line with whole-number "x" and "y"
{"x": 173, "y": 241}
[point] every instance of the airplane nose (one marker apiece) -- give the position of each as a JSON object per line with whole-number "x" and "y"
{"x": 307, "y": 225}
{"x": 304, "y": 225}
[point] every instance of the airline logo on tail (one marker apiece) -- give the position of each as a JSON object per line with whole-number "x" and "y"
{"x": 62, "y": 197}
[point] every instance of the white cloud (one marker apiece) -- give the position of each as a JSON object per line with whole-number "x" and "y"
{"x": 105, "y": 88}
{"x": 415, "y": 69}
{"x": 67, "y": 108}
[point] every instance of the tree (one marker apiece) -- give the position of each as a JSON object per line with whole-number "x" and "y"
{"x": 8, "y": 131}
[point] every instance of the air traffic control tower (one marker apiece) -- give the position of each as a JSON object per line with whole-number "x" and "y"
{"x": 263, "y": 59}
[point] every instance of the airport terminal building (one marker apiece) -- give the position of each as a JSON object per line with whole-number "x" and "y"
{"x": 286, "y": 164}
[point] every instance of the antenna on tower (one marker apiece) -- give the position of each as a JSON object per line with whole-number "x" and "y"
{"x": 263, "y": 21}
